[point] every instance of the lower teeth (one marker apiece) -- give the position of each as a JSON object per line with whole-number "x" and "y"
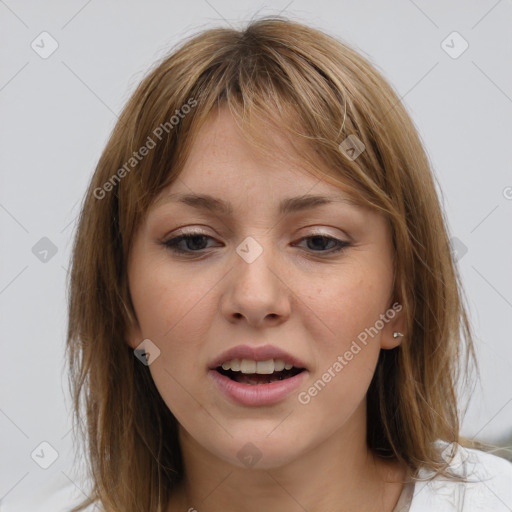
{"x": 269, "y": 381}
{"x": 256, "y": 379}
{"x": 247, "y": 380}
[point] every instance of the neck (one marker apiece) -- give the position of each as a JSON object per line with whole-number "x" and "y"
{"x": 338, "y": 474}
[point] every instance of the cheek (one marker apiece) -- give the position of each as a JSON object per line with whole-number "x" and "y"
{"x": 341, "y": 320}
{"x": 347, "y": 306}
{"x": 347, "y": 349}
{"x": 169, "y": 302}
{"x": 173, "y": 312}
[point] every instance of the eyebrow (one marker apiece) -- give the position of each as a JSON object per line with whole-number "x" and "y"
{"x": 286, "y": 207}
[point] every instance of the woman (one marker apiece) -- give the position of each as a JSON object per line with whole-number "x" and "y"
{"x": 264, "y": 309}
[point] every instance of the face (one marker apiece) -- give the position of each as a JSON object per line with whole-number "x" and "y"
{"x": 310, "y": 285}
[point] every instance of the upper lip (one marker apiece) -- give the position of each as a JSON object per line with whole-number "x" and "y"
{"x": 262, "y": 353}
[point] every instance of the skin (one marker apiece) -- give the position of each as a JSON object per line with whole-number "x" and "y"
{"x": 295, "y": 295}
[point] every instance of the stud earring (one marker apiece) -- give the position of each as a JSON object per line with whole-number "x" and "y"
{"x": 397, "y": 334}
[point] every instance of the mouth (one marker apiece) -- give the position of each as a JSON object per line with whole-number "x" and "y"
{"x": 258, "y": 372}
{"x": 257, "y": 377}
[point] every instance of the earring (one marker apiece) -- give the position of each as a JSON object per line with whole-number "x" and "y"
{"x": 397, "y": 334}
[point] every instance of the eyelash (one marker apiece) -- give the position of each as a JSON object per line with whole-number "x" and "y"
{"x": 172, "y": 243}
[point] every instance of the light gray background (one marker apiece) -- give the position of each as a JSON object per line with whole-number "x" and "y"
{"x": 56, "y": 115}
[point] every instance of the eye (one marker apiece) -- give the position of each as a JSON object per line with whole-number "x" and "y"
{"x": 319, "y": 241}
{"x": 195, "y": 242}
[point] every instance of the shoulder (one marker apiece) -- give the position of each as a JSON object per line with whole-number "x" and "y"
{"x": 489, "y": 486}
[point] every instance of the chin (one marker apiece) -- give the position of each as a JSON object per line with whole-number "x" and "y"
{"x": 258, "y": 450}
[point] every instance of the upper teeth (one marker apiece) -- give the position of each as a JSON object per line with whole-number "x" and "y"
{"x": 263, "y": 367}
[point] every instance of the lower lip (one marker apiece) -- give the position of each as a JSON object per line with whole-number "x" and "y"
{"x": 257, "y": 394}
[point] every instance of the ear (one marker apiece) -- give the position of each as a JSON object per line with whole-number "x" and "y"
{"x": 134, "y": 335}
{"x": 396, "y": 323}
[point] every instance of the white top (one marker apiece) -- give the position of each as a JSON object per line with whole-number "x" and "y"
{"x": 490, "y": 492}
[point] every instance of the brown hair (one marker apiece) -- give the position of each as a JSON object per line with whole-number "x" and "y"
{"x": 318, "y": 91}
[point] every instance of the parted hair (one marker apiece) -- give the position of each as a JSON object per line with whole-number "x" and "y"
{"x": 318, "y": 91}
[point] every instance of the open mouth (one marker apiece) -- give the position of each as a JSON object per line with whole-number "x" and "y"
{"x": 258, "y": 378}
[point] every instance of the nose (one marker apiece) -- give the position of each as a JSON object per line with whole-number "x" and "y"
{"x": 257, "y": 291}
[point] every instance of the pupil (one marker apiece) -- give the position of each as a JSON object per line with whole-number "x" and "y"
{"x": 192, "y": 240}
{"x": 322, "y": 239}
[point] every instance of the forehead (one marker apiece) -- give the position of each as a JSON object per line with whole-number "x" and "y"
{"x": 223, "y": 167}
